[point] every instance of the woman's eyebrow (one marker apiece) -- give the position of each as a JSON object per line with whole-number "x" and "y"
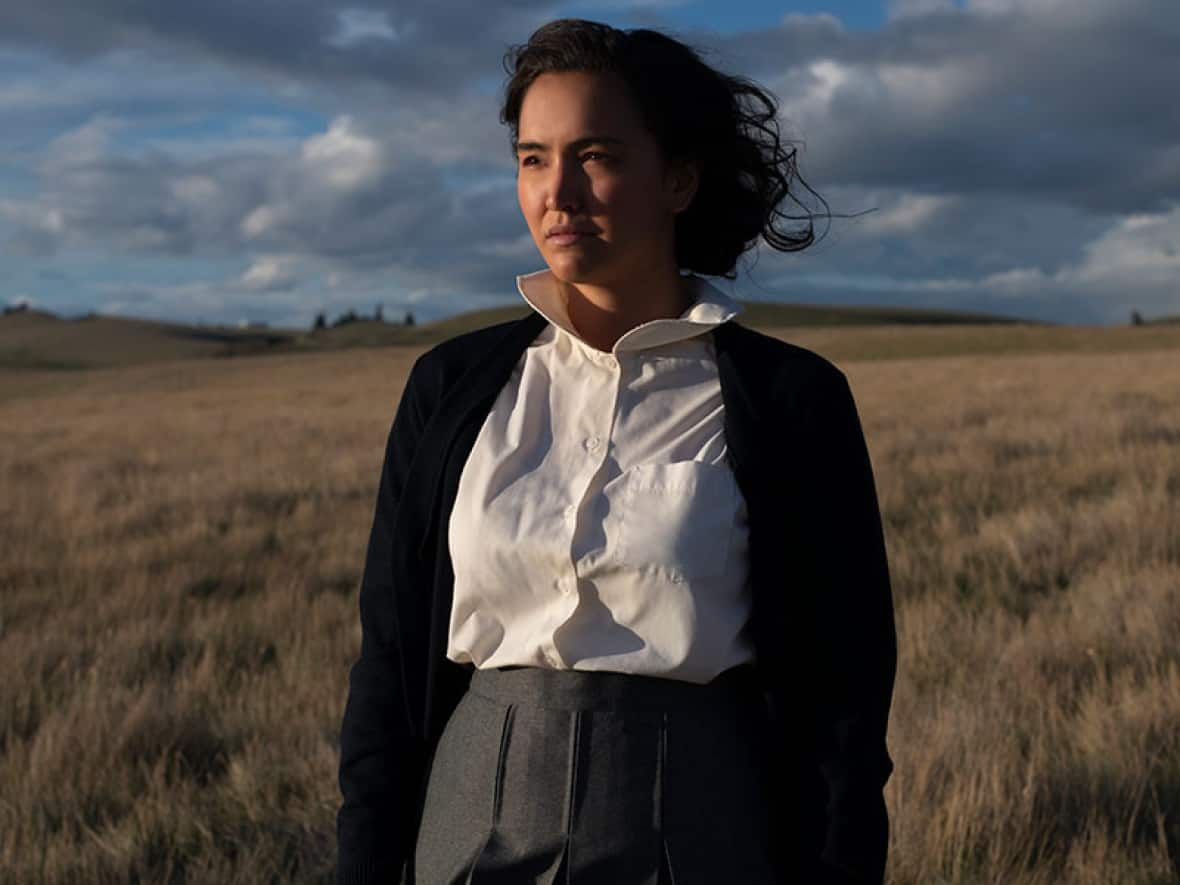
{"x": 576, "y": 145}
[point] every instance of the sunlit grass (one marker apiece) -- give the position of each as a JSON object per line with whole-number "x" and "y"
{"x": 182, "y": 546}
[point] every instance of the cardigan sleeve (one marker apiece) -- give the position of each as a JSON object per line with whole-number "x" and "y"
{"x": 852, "y": 645}
{"x": 381, "y": 754}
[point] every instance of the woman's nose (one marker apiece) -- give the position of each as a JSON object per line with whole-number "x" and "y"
{"x": 565, "y": 187}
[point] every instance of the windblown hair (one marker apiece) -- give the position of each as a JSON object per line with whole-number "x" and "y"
{"x": 726, "y": 122}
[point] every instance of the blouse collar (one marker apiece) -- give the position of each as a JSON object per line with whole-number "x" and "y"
{"x": 710, "y": 308}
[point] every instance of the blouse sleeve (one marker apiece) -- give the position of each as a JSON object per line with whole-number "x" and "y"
{"x": 381, "y": 755}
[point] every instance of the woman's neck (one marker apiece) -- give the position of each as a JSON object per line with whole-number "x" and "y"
{"x": 602, "y": 314}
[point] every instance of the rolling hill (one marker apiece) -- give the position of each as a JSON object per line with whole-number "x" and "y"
{"x": 36, "y": 339}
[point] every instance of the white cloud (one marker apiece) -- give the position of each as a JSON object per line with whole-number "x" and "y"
{"x": 1020, "y": 280}
{"x": 908, "y": 214}
{"x": 812, "y": 20}
{"x": 269, "y": 273}
{"x": 1067, "y": 8}
{"x": 82, "y": 145}
{"x": 1135, "y": 263}
{"x": 928, "y": 90}
{"x": 259, "y": 222}
{"x": 195, "y": 190}
{"x": 343, "y": 157}
{"x": 356, "y": 25}
{"x": 1138, "y": 252}
{"x": 900, "y": 9}
{"x": 520, "y": 247}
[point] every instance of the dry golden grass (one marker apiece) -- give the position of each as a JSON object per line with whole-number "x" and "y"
{"x": 182, "y": 545}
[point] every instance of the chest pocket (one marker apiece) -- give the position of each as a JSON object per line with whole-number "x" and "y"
{"x": 677, "y": 518}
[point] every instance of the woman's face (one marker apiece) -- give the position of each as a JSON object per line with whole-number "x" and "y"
{"x": 584, "y": 158}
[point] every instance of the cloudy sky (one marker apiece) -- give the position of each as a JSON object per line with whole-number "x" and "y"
{"x": 268, "y": 159}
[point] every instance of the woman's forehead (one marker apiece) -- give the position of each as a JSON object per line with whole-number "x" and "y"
{"x": 576, "y": 104}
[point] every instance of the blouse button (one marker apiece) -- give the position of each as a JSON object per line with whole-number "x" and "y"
{"x": 591, "y": 443}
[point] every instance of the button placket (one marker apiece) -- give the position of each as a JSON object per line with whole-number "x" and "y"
{"x": 593, "y": 443}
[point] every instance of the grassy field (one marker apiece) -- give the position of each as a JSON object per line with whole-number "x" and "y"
{"x": 182, "y": 549}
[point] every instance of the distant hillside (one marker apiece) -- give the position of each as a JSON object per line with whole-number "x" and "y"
{"x": 761, "y": 314}
{"x": 33, "y": 339}
{"x": 37, "y": 339}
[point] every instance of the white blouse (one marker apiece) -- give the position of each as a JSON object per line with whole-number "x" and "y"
{"x": 597, "y": 524}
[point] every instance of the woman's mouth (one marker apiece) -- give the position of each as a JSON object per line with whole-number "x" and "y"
{"x": 566, "y": 239}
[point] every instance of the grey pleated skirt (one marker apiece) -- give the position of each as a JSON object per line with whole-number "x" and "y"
{"x": 585, "y": 777}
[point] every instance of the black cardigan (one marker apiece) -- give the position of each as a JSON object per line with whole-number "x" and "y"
{"x": 822, "y": 605}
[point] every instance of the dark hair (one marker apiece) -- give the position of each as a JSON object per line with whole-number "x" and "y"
{"x": 693, "y": 111}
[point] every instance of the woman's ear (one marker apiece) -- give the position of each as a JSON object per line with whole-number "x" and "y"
{"x": 683, "y": 177}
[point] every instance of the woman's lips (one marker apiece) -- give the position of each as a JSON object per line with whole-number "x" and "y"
{"x": 566, "y": 239}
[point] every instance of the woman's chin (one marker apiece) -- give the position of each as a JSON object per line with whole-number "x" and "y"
{"x": 574, "y": 268}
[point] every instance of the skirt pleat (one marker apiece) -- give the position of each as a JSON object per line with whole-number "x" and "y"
{"x": 577, "y": 777}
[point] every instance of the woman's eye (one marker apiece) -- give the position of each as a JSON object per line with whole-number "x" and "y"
{"x": 589, "y": 155}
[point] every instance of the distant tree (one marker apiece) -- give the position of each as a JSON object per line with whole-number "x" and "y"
{"x": 1136, "y": 319}
{"x": 409, "y": 320}
{"x": 378, "y": 314}
{"x": 349, "y": 317}
{"x": 321, "y": 322}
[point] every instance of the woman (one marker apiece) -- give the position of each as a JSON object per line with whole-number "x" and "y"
{"x": 626, "y": 612}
